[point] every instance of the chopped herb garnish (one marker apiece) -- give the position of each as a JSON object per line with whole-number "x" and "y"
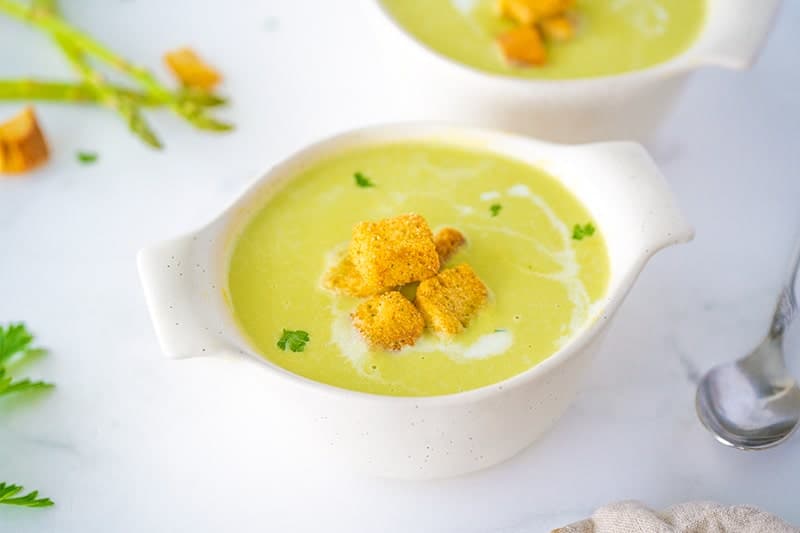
{"x": 87, "y": 158}
{"x": 293, "y": 340}
{"x": 362, "y": 180}
{"x": 499, "y": 331}
{"x": 579, "y": 232}
{"x": 495, "y": 209}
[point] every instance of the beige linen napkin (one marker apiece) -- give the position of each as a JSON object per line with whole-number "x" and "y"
{"x": 695, "y": 517}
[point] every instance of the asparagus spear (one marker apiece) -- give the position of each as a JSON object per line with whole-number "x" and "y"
{"x": 45, "y": 21}
{"x": 105, "y": 93}
{"x": 26, "y": 89}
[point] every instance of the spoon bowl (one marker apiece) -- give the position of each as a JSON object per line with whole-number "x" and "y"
{"x": 754, "y": 403}
{"x": 749, "y": 410}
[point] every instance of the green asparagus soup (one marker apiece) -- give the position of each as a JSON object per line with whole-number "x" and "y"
{"x": 531, "y": 242}
{"x": 612, "y": 36}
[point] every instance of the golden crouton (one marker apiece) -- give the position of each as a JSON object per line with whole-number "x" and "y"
{"x": 22, "y": 143}
{"x": 388, "y": 321}
{"x": 523, "y": 46}
{"x": 343, "y": 278}
{"x": 529, "y": 12}
{"x": 191, "y": 70}
{"x": 449, "y": 300}
{"x": 516, "y": 10}
{"x": 392, "y": 252}
{"x": 558, "y": 28}
{"x": 448, "y": 241}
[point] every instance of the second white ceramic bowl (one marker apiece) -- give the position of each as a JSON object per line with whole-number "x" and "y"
{"x": 430, "y": 86}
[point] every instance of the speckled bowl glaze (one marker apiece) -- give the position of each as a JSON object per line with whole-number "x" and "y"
{"x": 423, "y": 437}
{"x": 624, "y": 106}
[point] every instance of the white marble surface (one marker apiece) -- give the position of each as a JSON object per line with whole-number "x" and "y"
{"x": 130, "y": 442}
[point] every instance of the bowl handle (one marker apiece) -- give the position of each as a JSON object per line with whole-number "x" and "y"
{"x": 737, "y": 32}
{"x": 634, "y": 200}
{"x": 179, "y": 296}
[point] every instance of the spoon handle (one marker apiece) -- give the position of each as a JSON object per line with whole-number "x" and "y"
{"x": 787, "y": 301}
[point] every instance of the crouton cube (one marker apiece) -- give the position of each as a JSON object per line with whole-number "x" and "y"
{"x": 523, "y": 46}
{"x": 558, "y": 28}
{"x": 551, "y": 8}
{"x": 388, "y": 321}
{"x": 191, "y": 70}
{"x": 343, "y": 278}
{"x": 392, "y": 252}
{"x": 517, "y": 10}
{"x": 448, "y": 241}
{"x": 529, "y": 12}
{"x": 22, "y": 143}
{"x": 448, "y": 301}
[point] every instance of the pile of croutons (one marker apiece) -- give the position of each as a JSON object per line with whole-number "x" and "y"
{"x": 387, "y": 255}
{"x": 537, "y": 19}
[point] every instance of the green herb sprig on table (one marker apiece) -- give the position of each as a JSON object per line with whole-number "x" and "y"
{"x": 17, "y": 342}
{"x": 78, "y": 48}
{"x": 495, "y": 209}
{"x": 8, "y": 496}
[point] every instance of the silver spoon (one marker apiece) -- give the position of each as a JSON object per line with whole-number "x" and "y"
{"x": 754, "y": 403}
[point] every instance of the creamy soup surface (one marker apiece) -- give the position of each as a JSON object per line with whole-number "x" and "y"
{"x": 612, "y": 36}
{"x": 544, "y": 284}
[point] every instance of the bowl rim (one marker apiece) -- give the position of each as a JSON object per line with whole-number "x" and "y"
{"x": 690, "y": 58}
{"x": 426, "y": 130}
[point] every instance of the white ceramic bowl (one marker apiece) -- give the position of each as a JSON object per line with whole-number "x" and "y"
{"x": 430, "y": 436}
{"x": 430, "y": 86}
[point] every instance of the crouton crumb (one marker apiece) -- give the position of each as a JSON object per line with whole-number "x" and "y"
{"x": 392, "y": 252}
{"x": 388, "y": 321}
{"x": 448, "y": 241}
{"x": 449, "y": 300}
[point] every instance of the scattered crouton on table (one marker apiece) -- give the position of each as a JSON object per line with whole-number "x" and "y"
{"x": 191, "y": 70}
{"x": 449, "y": 300}
{"x": 22, "y": 143}
{"x": 388, "y": 321}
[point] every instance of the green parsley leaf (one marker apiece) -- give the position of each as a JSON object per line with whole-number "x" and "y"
{"x": 362, "y": 180}
{"x": 87, "y": 158}
{"x": 14, "y": 338}
{"x": 9, "y": 386}
{"x": 294, "y": 340}
{"x": 579, "y": 232}
{"x": 8, "y": 496}
{"x": 495, "y": 209}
